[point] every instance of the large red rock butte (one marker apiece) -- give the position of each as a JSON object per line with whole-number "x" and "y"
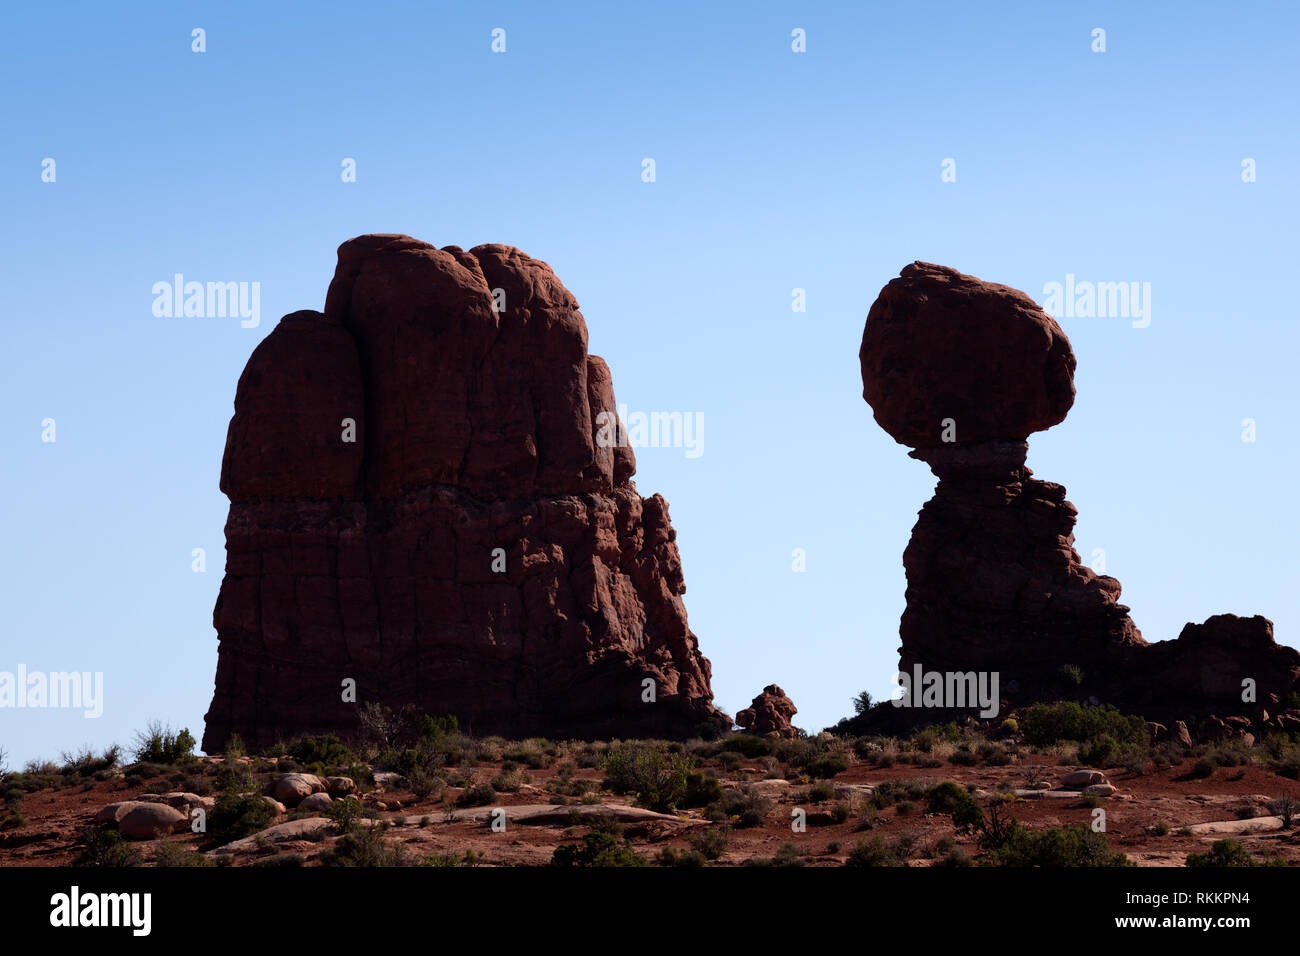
{"x": 964, "y": 371}
{"x": 425, "y": 500}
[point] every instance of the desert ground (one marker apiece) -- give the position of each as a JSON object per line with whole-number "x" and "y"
{"x": 941, "y": 796}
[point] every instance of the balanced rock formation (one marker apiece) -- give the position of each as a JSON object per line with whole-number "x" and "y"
{"x": 770, "y": 713}
{"x": 964, "y": 371}
{"x": 431, "y": 497}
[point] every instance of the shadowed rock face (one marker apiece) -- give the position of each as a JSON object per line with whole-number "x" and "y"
{"x": 964, "y": 371}
{"x": 376, "y": 558}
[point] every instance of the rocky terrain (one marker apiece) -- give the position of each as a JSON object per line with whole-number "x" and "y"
{"x": 964, "y": 371}
{"x": 946, "y": 796}
{"x": 432, "y": 506}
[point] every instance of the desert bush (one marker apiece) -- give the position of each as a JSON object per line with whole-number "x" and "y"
{"x": 873, "y": 852}
{"x": 321, "y": 754}
{"x": 478, "y": 796}
{"x": 86, "y": 763}
{"x": 1100, "y": 751}
{"x": 159, "y": 744}
{"x": 434, "y": 729}
{"x": 963, "y": 756}
{"x": 1223, "y": 853}
{"x": 995, "y": 755}
{"x": 820, "y": 792}
{"x": 1285, "y": 807}
{"x": 827, "y": 766}
{"x": 237, "y": 814}
{"x": 1046, "y": 724}
{"x": 601, "y": 846}
{"x": 701, "y": 789}
{"x": 423, "y": 783}
{"x": 747, "y": 745}
{"x": 952, "y": 798}
{"x": 102, "y": 847}
{"x": 345, "y": 814}
{"x": 889, "y": 792}
{"x": 710, "y": 843}
{"x": 528, "y": 755}
{"x": 670, "y": 857}
{"x": 1054, "y": 847}
{"x": 364, "y": 847}
{"x": 744, "y": 806}
{"x": 509, "y": 781}
{"x": 174, "y": 855}
{"x": 656, "y": 775}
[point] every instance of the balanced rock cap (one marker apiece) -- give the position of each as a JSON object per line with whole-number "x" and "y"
{"x": 948, "y": 357}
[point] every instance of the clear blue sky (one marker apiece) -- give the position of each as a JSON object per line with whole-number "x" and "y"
{"x": 775, "y": 170}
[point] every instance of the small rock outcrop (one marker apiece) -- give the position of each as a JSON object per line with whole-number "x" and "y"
{"x": 964, "y": 371}
{"x": 431, "y": 497}
{"x": 770, "y": 713}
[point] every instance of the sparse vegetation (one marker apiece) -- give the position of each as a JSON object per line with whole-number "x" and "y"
{"x": 159, "y": 744}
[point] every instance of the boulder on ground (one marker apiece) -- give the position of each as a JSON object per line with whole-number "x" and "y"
{"x": 147, "y": 821}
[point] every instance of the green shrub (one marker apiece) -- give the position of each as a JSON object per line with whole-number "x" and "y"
{"x": 744, "y": 806}
{"x": 873, "y": 852}
{"x": 952, "y": 798}
{"x": 85, "y": 763}
{"x": 364, "y": 847}
{"x": 600, "y": 847}
{"x": 508, "y": 781}
{"x": 1066, "y": 846}
{"x": 174, "y": 855}
{"x": 326, "y": 752}
{"x": 827, "y": 766}
{"x": 670, "y": 857}
{"x": 710, "y": 842}
{"x": 1101, "y": 751}
{"x": 655, "y": 774}
{"x": 821, "y": 792}
{"x": 102, "y": 847}
{"x": 1223, "y": 853}
{"x": 345, "y": 814}
{"x": 159, "y": 744}
{"x": 701, "y": 789}
{"x": 747, "y": 745}
{"x": 479, "y": 796}
{"x": 239, "y": 813}
{"x": 436, "y": 728}
{"x": 1046, "y": 724}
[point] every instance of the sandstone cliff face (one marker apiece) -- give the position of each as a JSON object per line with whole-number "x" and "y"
{"x": 964, "y": 371}
{"x": 424, "y": 500}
